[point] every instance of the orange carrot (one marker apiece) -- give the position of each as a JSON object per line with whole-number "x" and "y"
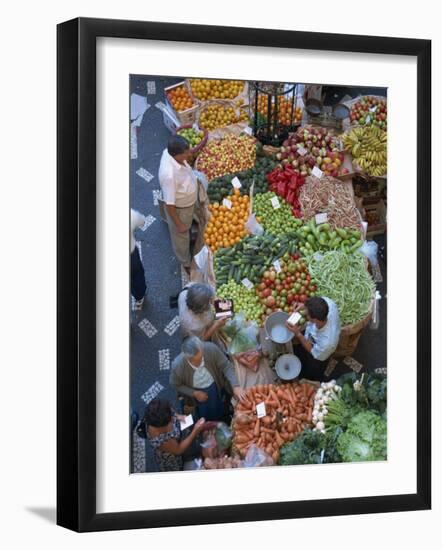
{"x": 257, "y": 428}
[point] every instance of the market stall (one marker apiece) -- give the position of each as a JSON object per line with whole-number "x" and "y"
{"x": 285, "y": 224}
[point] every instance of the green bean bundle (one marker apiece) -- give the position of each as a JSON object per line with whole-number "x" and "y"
{"x": 344, "y": 279}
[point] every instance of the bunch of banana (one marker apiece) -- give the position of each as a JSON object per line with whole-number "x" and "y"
{"x": 368, "y": 146}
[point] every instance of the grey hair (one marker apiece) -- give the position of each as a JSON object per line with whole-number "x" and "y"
{"x": 198, "y": 297}
{"x": 191, "y": 346}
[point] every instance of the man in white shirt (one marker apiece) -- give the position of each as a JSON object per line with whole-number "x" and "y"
{"x": 321, "y": 336}
{"x": 180, "y": 188}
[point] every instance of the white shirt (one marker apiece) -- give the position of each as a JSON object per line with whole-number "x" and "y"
{"x": 178, "y": 182}
{"x": 202, "y": 378}
{"x": 325, "y": 340}
{"x": 136, "y": 220}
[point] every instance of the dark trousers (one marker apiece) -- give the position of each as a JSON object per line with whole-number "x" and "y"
{"x": 214, "y": 407}
{"x": 137, "y": 277}
{"x": 312, "y": 369}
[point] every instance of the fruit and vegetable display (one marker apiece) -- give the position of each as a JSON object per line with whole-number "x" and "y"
{"x": 369, "y": 110}
{"x": 245, "y": 300}
{"x": 227, "y": 155}
{"x": 288, "y": 410}
{"x": 205, "y": 88}
{"x": 180, "y": 99}
{"x": 250, "y": 257}
{"x": 220, "y": 187}
{"x": 226, "y": 223}
{"x": 192, "y": 136}
{"x": 344, "y": 279}
{"x": 283, "y": 288}
{"x": 287, "y": 183}
{"x": 329, "y": 196}
{"x": 218, "y": 115}
{"x": 314, "y": 237}
{"x": 276, "y": 218}
{"x": 288, "y": 114}
{"x": 312, "y": 146}
{"x": 368, "y": 147}
{"x": 350, "y": 423}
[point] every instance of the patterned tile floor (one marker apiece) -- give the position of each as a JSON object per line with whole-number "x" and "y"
{"x": 154, "y": 338}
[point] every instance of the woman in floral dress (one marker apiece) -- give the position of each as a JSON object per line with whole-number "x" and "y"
{"x": 165, "y": 436}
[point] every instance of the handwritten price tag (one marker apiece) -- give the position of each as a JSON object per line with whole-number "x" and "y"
{"x": 321, "y": 218}
{"x": 275, "y": 202}
{"x": 248, "y": 284}
{"x": 227, "y": 203}
{"x": 373, "y": 109}
{"x": 277, "y": 265}
{"x": 368, "y": 119}
{"x": 195, "y": 127}
{"x": 302, "y": 151}
{"x": 261, "y": 409}
{"x": 236, "y": 183}
{"x": 317, "y": 172}
{"x": 248, "y": 130}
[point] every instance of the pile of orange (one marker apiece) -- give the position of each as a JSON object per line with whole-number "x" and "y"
{"x": 180, "y": 99}
{"x": 284, "y": 110}
{"x": 226, "y": 226}
{"x": 204, "y": 88}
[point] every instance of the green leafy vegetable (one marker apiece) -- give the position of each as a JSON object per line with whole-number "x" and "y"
{"x": 311, "y": 447}
{"x": 365, "y": 438}
{"x": 371, "y": 390}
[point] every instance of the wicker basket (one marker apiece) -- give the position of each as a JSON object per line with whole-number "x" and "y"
{"x": 350, "y": 334}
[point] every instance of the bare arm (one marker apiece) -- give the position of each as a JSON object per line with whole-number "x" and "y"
{"x": 216, "y": 325}
{"x": 304, "y": 342}
{"x": 178, "y": 448}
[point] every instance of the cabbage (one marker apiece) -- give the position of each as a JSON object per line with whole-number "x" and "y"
{"x": 365, "y": 438}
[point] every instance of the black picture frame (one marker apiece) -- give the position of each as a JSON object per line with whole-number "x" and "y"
{"x": 76, "y": 273}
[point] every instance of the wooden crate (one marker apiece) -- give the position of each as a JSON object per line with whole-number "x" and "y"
{"x": 189, "y": 115}
{"x": 381, "y": 211}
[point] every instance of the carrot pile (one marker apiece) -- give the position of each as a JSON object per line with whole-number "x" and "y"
{"x": 288, "y": 412}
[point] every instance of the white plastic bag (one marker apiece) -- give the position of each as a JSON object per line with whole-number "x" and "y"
{"x": 370, "y": 250}
{"x": 253, "y": 227}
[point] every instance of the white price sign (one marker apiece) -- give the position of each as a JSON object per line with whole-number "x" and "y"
{"x": 302, "y": 151}
{"x": 321, "y": 218}
{"x": 368, "y": 119}
{"x": 261, "y": 410}
{"x": 248, "y": 284}
{"x": 373, "y": 109}
{"x": 277, "y": 265}
{"x": 236, "y": 183}
{"x": 275, "y": 202}
{"x": 248, "y": 130}
{"x": 316, "y": 172}
{"x": 227, "y": 203}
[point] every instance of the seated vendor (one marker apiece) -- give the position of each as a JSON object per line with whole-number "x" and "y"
{"x": 204, "y": 375}
{"x": 320, "y": 339}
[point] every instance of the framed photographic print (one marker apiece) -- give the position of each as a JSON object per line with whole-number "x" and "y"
{"x": 225, "y": 352}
